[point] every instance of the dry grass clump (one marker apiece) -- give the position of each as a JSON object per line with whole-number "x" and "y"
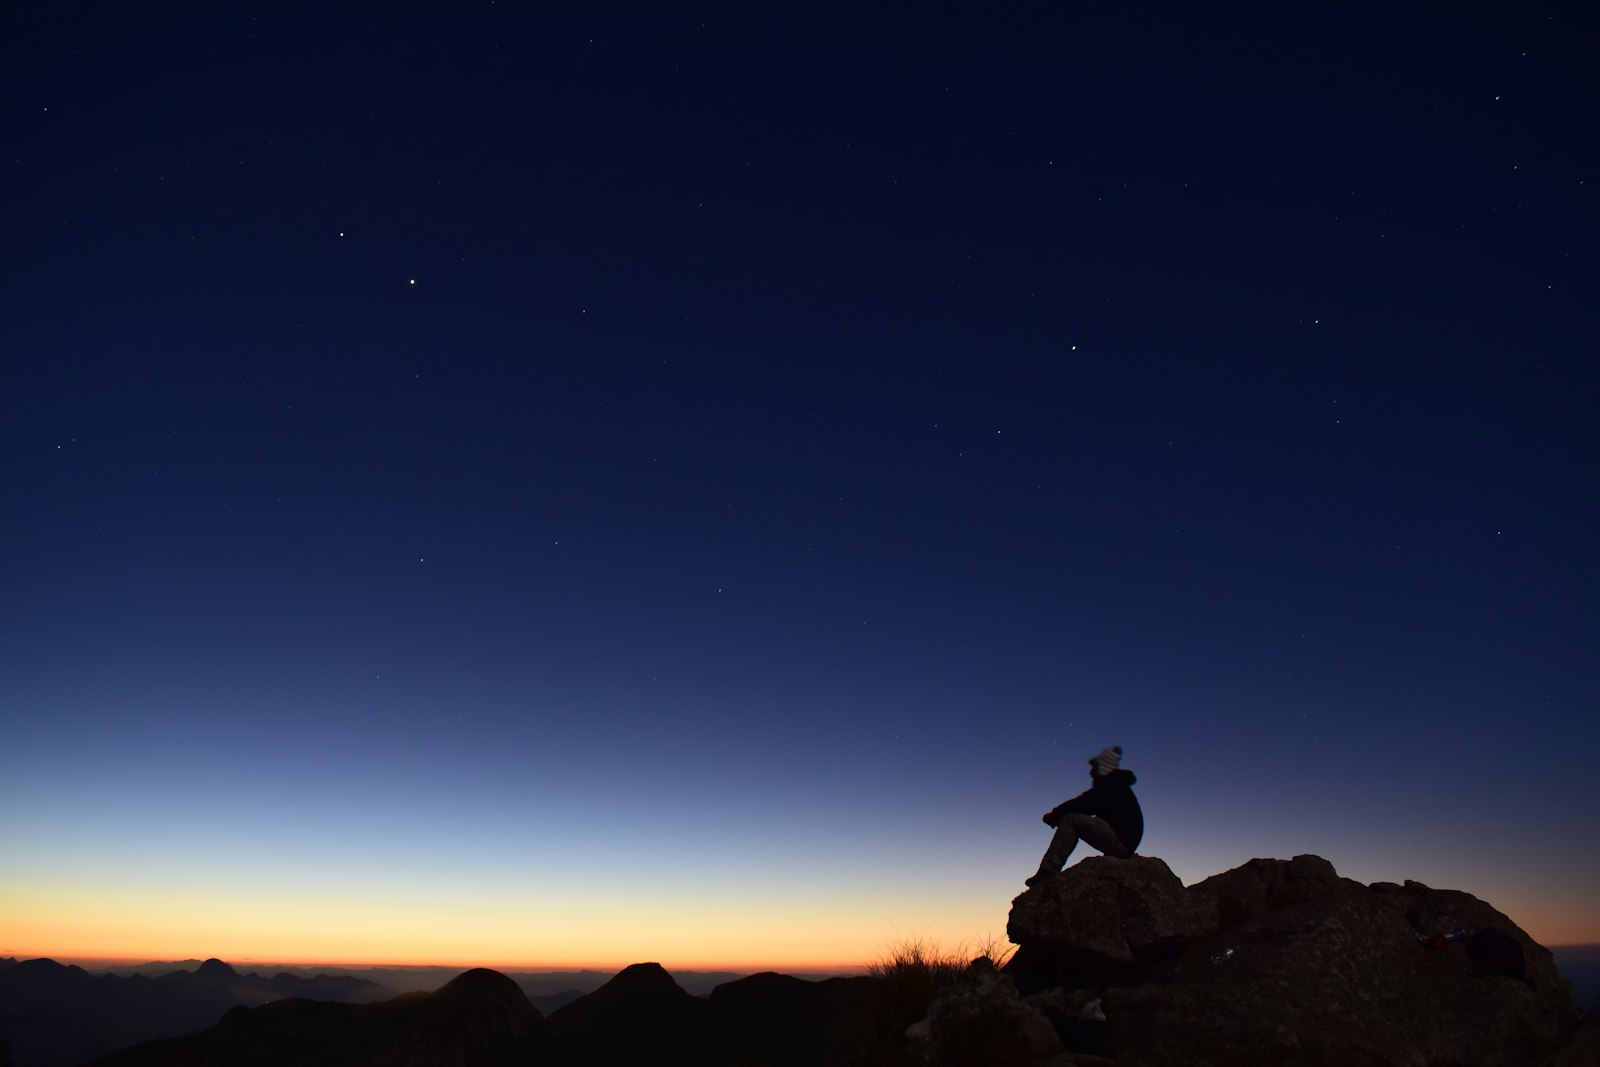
{"x": 993, "y": 949}
{"x": 909, "y": 976}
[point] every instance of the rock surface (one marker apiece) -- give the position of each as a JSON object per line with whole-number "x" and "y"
{"x": 981, "y": 1020}
{"x": 1123, "y": 910}
{"x": 1582, "y": 1049}
{"x": 1285, "y": 962}
{"x": 1099, "y": 918}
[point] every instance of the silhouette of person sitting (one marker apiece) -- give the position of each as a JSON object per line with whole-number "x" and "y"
{"x": 1106, "y": 815}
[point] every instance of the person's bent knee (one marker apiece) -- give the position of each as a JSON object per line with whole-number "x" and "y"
{"x": 1098, "y": 834}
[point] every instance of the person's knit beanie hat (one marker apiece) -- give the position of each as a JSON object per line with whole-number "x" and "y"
{"x": 1107, "y": 761}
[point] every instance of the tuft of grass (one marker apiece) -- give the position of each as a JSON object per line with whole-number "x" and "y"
{"x": 993, "y": 949}
{"x": 917, "y": 960}
{"x": 909, "y": 976}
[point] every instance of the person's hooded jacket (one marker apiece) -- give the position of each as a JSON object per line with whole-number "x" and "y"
{"x": 1111, "y": 798}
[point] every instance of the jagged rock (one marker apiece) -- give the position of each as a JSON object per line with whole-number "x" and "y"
{"x": 980, "y": 1020}
{"x": 1582, "y": 1048}
{"x": 1291, "y": 964}
{"x": 1079, "y": 1019}
{"x": 1260, "y": 886}
{"x": 1089, "y": 923}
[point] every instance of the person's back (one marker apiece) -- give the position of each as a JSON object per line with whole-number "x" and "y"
{"x": 1106, "y": 815}
{"x": 1116, "y": 804}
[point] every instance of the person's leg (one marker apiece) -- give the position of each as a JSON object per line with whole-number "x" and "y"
{"x": 1061, "y": 846}
{"x": 1091, "y": 828}
{"x": 1099, "y": 834}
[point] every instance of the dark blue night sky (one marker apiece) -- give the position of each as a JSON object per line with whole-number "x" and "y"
{"x": 468, "y": 467}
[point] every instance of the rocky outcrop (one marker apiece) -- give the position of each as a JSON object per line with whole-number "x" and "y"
{"x": 980, "y": 1020}
{"x": 1285, "y": 962}
{"x": 1582, "y": 1049}
{"x": 1095, "y": 919}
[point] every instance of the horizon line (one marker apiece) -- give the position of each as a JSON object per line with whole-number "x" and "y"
{"x": 102, "y": 962}
{"x": 841, "y": 969}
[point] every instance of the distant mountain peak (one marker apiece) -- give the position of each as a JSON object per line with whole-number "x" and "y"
{"x": 44, "y": 964}
{"x": 215, "y": 969}
{"x": 645, "y": 978}
{"x": 481, "y": 982}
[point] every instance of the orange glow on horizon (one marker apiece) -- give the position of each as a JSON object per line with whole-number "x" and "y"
{"x": 253, "y": 927}
{"x": 242, "y": 963}
{"x": 243, "y": 953}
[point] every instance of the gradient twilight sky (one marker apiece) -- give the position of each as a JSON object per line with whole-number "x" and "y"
{"x": 511, "y": 487}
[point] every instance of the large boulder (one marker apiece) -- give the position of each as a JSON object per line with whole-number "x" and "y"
{"x": 1582, "y": 1049}
{"x": 1288, "y": 963}
{"x": 1261, "y": 886}
{"x": 980, "y": 1020}
{"x": 1100, "y": 919}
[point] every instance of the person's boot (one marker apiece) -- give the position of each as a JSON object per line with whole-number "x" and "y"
{"x": 1037, "y": 878}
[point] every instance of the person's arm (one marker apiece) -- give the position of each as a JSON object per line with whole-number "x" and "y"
{"x": 1082, "y": 804}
